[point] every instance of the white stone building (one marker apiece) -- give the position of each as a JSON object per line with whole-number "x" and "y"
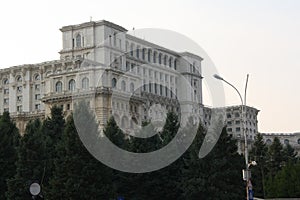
{"x": 126, "y": 76}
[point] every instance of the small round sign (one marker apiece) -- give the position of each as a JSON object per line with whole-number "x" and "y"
{"x": 35, "y": 189}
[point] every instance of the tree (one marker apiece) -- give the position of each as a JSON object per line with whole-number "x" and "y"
{"x": 9, "y": 139}
{"x": 216, "y": 175}
{"x": 30, "y": 163}
{"x": 85, "y": 177}
{"x": 258, "y": 153}
{"x": 289, "y": 154}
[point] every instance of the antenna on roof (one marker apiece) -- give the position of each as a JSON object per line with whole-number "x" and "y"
{"x": 133, "y": 31}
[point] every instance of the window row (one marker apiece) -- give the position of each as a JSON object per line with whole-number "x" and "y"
{"x": 72, "y": 85}
{"x": 151, "y": 56}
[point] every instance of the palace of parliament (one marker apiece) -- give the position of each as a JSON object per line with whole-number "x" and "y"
{"x": 127, "y": 77}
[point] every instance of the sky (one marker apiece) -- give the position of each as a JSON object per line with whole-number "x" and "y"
{"x": 258, "y": 37}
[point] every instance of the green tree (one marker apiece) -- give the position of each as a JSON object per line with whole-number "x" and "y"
{"x": 289, "y": 154}
{"x": 9, "y": 139}
{"x": 258, "y": 153}
{"x": 30, "y": 163}
{"x": 216, "y": 175}
{"x": 85, "y": 177}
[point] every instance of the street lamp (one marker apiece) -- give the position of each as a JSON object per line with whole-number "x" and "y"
{"x": 243, "y": 103}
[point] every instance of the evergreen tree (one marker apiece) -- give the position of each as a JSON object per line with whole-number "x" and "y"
{"x": 9, "y": 139}
{"x": 30, "y": 163}
{"x": 218, "y": 175}
{"x": 258, "y": 153}
{"x": 289, "y": 154}
{"x": 52, "y": 130}
{"x": 77, "y": 174}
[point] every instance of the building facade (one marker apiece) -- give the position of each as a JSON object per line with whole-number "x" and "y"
{"x": 127, "y": 77}
{"x": 285, "y": 138}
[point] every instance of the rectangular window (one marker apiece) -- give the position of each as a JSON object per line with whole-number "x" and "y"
{"x": 6, "y": 101}
{"x": 19, "y": 89}
{"x": 37, "y": 106}
{"x": 19, "y": 98}
{"x": 6, "y": 91}
{"x": 37, "y": 87}
{"x": 19, "y": 108}
{"x": 37, "y": 97}
{"x": 238, "y": 129}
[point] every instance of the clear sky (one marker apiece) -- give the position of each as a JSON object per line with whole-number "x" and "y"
{"x": 258, "y": 37}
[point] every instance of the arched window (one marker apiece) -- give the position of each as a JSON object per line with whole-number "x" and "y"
{"x": 78, "y": 40}
{"x": 85, "y": 83}
{"x": 37, "y": 77}
{"x": 19, "y": 78}
{"x": 123, "y": 86}
{"x": 286, "y": 141}
{"x": 159, "y": 58}
{"x": 131, "y": 87}
{"x": 5, "y": 81}
{"x": 58, "y": 86}
{"x": 269, "y": 142}
{"x": 72, "y": 85}
{"x": 113, "y": 83}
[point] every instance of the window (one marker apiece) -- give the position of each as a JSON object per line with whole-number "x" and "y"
{"x": 85, "y": 83}
{"x": 165, "y": 60}
{"x": 286, "y": 141}
{"x": 159, "y": 58}
{"x": 19, "y": 108}
{"x": 37, "y": 87}
{"x": 143, "y": 54}
{"x": 37, "y": 106}
{"x": 123, "y": 86}
{"x": 170, "y": 62}
{"x": 131, "y": 87}
{"x": 149, "y": 55}
{"x": 237, "y": 122}
{"x": 298, "y": 141}
{"x": 19, "y": 98}
{"x": 131, "y": 49}
{"x": 78, "y": 40}
{"x": 269, "y": 142}
{"x": 229, "y": 123}
{"x": 72, "y": 85}
{"x": 238, "y": 129}
{"x": 37, "y": 77}
{"x": 6, "y": 91}
{"x": 5, "y": 81}
{"x": 19, "y": 79}
{"x": 6, "y": 101}
{"x": 229, "y": 129}
{"x": 228, "y": 115}
{"x": 154, "y": 57}
{"x": 19, "y": 89}
{"x": 237, "y": 114}
{"x": 37, "y": 97}
{"x": 113, "y": 83}
{"x": 137, "y": 52}
{"x": 175, "y": 64}
{"x": 58, "y": 86}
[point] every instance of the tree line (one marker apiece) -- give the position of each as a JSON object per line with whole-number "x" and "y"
{"x": 52, "y": 154}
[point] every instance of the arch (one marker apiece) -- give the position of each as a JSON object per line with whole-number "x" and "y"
{"x": 36, "y": 77}
{"x": 19, "y": 78}
{"x": 131, "y": 87}
{"x": 5, "y": 81}
{"x": 72, "y": 85}
{"x": 58, "y": 87}
{"x": 113, "y": 83}
{"x": 85, "y": 83}
{"x": 286, "y": 141}
{"x": 123, "y": 86}
{"x": 78, "y": 40}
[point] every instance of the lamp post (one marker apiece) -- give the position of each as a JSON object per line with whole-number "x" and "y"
{"x": 243, "y": 103}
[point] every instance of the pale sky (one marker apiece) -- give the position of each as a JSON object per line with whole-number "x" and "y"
{"x": 258, "y": 37}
